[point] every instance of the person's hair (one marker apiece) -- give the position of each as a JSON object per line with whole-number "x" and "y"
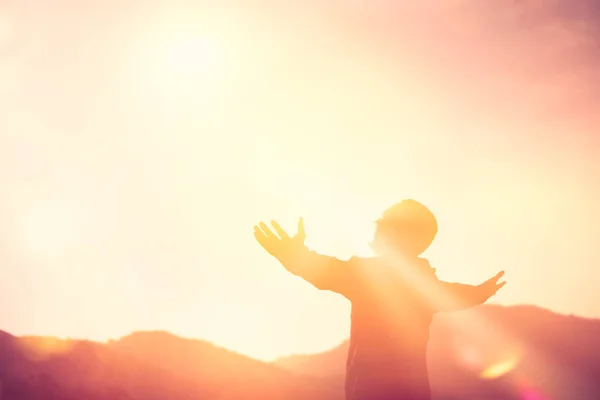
{"x": 408, "y": 226}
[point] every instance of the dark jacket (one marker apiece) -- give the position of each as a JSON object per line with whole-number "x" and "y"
{"x": 393, "y": 303}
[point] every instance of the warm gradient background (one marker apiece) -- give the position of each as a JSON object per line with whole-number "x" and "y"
{"x": 140, "y": 141}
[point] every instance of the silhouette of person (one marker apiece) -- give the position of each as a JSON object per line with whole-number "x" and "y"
{"x": 394, "y": 297}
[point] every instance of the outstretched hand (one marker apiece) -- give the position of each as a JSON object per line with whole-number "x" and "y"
{"x": 491, "y": 286}
{"x": 279, "y": 244}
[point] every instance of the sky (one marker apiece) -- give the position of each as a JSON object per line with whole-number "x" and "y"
{"x": 140, "y": 141}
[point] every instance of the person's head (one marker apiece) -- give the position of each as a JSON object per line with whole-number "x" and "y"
{"x": 407, "y": 227}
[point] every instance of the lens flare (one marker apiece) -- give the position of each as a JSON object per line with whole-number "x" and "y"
{"x": 500, "y": 368}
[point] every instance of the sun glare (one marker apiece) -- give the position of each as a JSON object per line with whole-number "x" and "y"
{"x": 182, "y": 51}
{"x": 180, "y": 64}
{"x": 41, "y": 348}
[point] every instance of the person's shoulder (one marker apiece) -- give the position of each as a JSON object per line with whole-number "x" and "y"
{"x": 364, "y": 261}
{"x": 425, "y": 267}
{"x": 361, "y": 259}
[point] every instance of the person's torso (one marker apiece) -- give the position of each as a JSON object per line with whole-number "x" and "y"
{"x": 390, "y": 316}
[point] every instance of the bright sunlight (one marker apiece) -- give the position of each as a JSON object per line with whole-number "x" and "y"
{"x": 179, "y": 51}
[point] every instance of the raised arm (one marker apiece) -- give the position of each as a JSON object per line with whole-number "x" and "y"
{"x": 323, "y": 272}
{"x": 458, "y": 296}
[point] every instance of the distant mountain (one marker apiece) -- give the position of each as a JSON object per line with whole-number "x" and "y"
{"x": 490, "y": 352}
{"x": 496, "y": 352}
{"x": 142, "y": 366}
{"x": 228, "y": 374}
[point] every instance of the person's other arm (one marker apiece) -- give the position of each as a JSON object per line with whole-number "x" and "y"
{"x": 459, "y": 296}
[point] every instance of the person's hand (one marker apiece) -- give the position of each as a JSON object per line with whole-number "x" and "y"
{"x": 491, "y": 286}
{"x": 281, "y": 244}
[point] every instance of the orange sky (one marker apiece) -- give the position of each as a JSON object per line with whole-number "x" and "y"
{"x": 139, "y": 143}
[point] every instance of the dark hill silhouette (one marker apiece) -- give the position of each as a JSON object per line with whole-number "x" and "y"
{"x": 50, "y": 368}
{"x": 142, "y": 366}
{"x": 234, "y": 375}
{"x": 560, "y": 357}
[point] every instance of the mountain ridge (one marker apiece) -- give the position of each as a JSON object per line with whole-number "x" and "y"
{"x": 490, "y": 351}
